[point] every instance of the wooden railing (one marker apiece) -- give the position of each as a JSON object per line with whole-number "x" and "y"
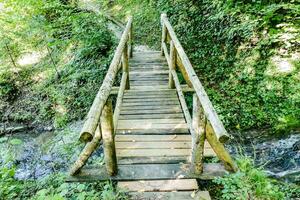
{"x": 204, "y": 123}
{"x": 101, "y": 121}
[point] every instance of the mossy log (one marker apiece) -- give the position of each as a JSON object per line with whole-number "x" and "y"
{"x": 199, "y": 123}
{"x": 212, "y": 117}
{"x": 107, "y": 128}
{"x": 94, "y": 114}
{"x": 86, "y": 152}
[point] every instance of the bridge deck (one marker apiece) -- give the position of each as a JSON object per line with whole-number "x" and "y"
{"x": 153, "y": 143}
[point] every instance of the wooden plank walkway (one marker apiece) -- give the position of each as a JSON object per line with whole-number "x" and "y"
{"x": 153, "y": 146}
{"x": 152, "y": 134}
{"x": 152, "y": 139}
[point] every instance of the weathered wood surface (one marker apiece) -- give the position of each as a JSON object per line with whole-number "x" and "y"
{"x": 123, "y": 85}
{"x": 86, "y": 152}
{"x": 107, "y": 127}
{"x": 174, "y": 195}
{"x": 208, "y": 108}
{"x": 148, "y": 172}
{"x": 152, "y": 137}
{"x": 159, "y": 185}
{"x": 198, "y": 123}
{"x": 95, "y": 111}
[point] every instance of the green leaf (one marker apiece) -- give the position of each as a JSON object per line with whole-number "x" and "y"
{"x": 15, "y": 141}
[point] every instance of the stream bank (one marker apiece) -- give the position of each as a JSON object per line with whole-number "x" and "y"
{"x": 38, "y": 154}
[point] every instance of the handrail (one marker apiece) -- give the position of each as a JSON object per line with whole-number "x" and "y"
{"x": 95, "y": 111}
{"x": 208, "y": 108}
{"x": 96, "y": 129}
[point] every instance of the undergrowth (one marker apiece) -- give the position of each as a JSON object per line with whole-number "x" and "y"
{"x": 54, "y": 187}
{"x": 54, "y": 57}
{"x": 246, "y": 54}
{"x": 252, "y": 183}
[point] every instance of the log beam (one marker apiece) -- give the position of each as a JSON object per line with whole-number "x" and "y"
{"x": 198, "y": 122}
{"x": 107, "y": 128}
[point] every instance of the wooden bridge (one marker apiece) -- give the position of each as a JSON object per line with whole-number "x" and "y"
{"x": 152, "y": 145}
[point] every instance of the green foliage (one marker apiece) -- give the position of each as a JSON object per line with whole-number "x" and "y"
{"x": 238, "y": 49}
{"x": 252, "y": 183}
{"x": 54, "y": 187}
{"x": 73, "y": 49}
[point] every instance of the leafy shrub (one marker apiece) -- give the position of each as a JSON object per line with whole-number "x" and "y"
{"x": 232, "y": 45}
{"x": 248, "y": 183}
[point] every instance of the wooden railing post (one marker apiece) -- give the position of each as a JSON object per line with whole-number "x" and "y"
{"x": 198, "y": 123}
{"x": 107, "y": 127}
{"x": 164, "y": 33}
{"x": 130, "y": 41}
{"x": 125, "y": 64}
{"x": 172, "y": 64}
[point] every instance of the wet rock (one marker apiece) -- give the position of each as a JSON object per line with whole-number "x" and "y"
{"x": 46, "y": 158}
{"x": 296, "y": 146}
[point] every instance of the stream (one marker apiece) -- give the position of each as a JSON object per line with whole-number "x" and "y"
{"x": 40, "y": 154}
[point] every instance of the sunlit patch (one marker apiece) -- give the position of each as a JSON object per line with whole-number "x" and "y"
{"x": 40, "y": 76}
{"x": 282, "y": 65}
{"x": 1, "y": 7}
{"x": 31, "y": 58}
{"x": 279, "y": 66}
{"x": 60, "y": 109}
{"x": 117, "y": 8}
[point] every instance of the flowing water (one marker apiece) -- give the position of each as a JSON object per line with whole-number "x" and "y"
{"x": 279, "y": 157}
{"x": 41, "y": 154}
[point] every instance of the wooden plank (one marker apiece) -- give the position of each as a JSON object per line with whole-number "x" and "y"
{"x": 148, "y": 172}
{"x": 153, "y": 145}
{"x": 155, "y": 121}
{"x": 152, "y": 152}
{"x": 159, "y": 185}
{"x": 149, "y": 126}
{"x": 154, "y": 160}
{"x": 157, "y": 87}
{"x": 142, "y": 96}
{"x": 157, "y": 145}
{"x": 151, "y": 78}
{"x": 158, "y": 98}
{"x": 153, "y": 116}
{"x": 161, "y": 131}
{"x": 138, "y": 92}
{"x": 161, "y": 111}
{"x": 141, "y": 104}
{"x": 150, "y": 73}
{"x": 174, "y": 195}
{"x": 152, "y": 107}
{"x": 147, "y": 138}
{"x": 127, "y": 153}
{"x": 151, "y": 83}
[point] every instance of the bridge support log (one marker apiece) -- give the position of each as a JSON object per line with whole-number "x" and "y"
{"x": 107, "y": 127}
{"x": 172, "y": 65}
{"x": 198, "y": 123}
{"x": 86, "y": 152}
{"x": 219, "y": 149}
{"x": 125, "y": 65}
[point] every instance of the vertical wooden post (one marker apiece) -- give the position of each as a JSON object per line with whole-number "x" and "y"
{"x": 172, "y": 64}
{"x": 164, "y": 33}
{"x": 131, "y": 42}
{"x": 126, "y": 65}
{"x": 198, "y": 122}
{"x": 108, "y": 138}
